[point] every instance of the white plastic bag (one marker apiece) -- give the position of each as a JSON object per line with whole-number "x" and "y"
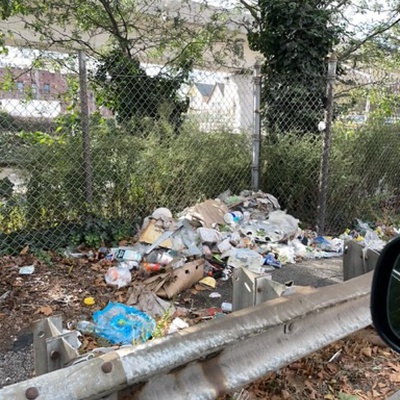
{"x": 118, "y": 276}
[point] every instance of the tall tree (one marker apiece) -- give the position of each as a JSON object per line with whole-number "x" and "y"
{"x": 294, "y": 38}
{"x": 126, "y": 34}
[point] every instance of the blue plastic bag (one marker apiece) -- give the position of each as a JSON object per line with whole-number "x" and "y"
{"x": 119, "y": 323}
{"x": 271, "y": 260}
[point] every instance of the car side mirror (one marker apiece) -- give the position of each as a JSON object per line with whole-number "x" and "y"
{"x": 385, "y": 294}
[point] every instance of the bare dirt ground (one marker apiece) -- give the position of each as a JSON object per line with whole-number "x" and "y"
{"x": 357, "y": 367}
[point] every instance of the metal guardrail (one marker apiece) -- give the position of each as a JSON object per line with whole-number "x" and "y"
{"x": 207, "y": 360}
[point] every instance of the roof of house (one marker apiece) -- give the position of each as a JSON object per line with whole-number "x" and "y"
{"x": 206, "y": 89}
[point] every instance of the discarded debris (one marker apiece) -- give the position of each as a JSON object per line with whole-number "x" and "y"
{"x": 147, "y": 301}
{"x": 27, "y": 270}
{"x": 89, "y": 301}
{"x": 168, "y": 284}
{"x": 122, "y": 324}
{"x": 177, "y": 324}
{"x": 118, "y": 276}
{"x": 209, "y": 281}
{"x": 226, "y": 307}
{"x": 208, "y": 214}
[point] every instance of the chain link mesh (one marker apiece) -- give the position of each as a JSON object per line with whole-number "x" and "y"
{"x": 292, "y": 148}
{"x": 155, "y": 140}
{"x": 159, "y": 139}
{"x": 365, "y": 149}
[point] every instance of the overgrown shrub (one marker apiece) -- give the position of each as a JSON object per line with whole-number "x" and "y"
{"x": 291, "y": 172}
{"x": 136, "y": 171}
{"x": 132, "y": 174}
{"x": 363, "y": 183}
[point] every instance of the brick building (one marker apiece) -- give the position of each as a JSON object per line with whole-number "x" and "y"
{"x": 35, "y": 93}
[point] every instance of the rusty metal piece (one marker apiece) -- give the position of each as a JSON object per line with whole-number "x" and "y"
{"x": 31, "y": 393}
{"x": 106, "y": 367}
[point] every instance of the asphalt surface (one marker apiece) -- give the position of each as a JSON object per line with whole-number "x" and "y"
{"x": 17, "y": 363}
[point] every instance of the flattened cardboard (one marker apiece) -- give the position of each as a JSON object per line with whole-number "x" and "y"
{"x": 210, "y": 212}
{"x": 152, "y": 232}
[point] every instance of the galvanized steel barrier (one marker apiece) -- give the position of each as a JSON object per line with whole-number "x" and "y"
{"x": 207, "y": 360}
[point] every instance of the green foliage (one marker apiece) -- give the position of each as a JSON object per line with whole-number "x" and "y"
{"x": 124, "y": 87}
{"x": 132, "y": 175}
{"x": 290, "y": 171}
{"x": 346, "y": 396}
{"x": 363, "y": 182}
{"x": 6, "y": 188}
{"x": 9, "y": 123}
{"x": 294, "y": 38}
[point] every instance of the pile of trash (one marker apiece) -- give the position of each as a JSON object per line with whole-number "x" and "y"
{"x": 203, "y": 244}
{"x": 215, "y": 236}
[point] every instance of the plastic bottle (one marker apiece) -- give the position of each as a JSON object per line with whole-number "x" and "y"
{"x": 86, "y": 327}
{"x": 161, "y": 256}
{"x": 233, "y": 217}
{"x": 152, "y": 267}
{"x": 128, "y": 255}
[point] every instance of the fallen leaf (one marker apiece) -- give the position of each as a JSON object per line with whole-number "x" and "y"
{"x": 285, "y": 394}
{"x": 332, "y": 367}
{"x": 309, "y": 385}
{"x": 395, "y": 378}
{"x": 24, "y": 251}
{"x": 367, "y": 351}
{"x": 100, "y": 281}
{"x": 46, "y": 310}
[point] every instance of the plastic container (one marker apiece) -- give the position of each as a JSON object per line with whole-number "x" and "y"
{"x": 128, "y": 255}
{"x": 86, "y": 327}
{"x": 233, "y": 217}
{"x": 226, "y": 307}
{"x": 161, "y": 256}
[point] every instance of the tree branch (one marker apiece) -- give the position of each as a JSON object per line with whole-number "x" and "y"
{"x": 377, "y": 32}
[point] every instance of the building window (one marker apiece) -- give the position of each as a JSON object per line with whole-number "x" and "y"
{"x": 46, "y": 88}
{"x": 238, "y": 48}
{"x": 34, "y": 90}
{"x": 20, "y": 86}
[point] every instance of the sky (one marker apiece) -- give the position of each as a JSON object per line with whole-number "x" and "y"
{"x": 24, "y": 57}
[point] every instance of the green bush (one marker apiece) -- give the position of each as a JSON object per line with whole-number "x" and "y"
{"x": 363, "y": 183}
{"x": 133, "y": 173}
{"x": 141, "y": 166}
{"x": 364, "y": 174}
{"x": 290, "y": 171}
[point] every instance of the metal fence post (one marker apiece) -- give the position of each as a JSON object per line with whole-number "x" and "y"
{"x": 87, "y": 162}
{"x": 326, "y": 145}
{"x": 255, "y": 175}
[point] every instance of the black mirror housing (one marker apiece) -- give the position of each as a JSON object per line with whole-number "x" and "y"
{"x": 384, "y": 299}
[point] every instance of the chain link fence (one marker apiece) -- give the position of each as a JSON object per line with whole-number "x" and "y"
{"x": 84, "y": 159}
{"x": 362, "y": 177}
{"x": 90, "y": 147}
